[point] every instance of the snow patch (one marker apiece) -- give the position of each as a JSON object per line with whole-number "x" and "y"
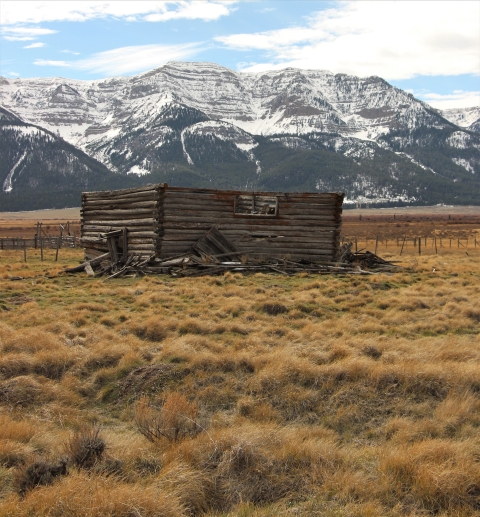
{"x": 459, "y": 140}
{"x": 182, "y": 137}
{"x": 464, "y": 163}
{"x": 7, "y": 184}
{"x": 139, "y": 171}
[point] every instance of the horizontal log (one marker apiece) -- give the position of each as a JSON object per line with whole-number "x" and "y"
{"x": 131, "y": 234}
{"x": 138, "y": 213}
{"x": 126, "y": 198}
{"x": 126, "y": 191}
{"x": 179, "y": 192}
{"x": 240, "y": 229}
{"x": 281, "y": 244}
{"x": 247, "y": 223}
{"x": 215, "y": 210}
{"x": 103, "y": 205}
{"x": 87, "y": 227}
{"x": 116, "y": 223}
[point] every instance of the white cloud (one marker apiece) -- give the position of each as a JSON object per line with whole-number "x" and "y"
{"x": 395, "y": 40}
{"x": 70, "y": 52}
{"x": 51, "y": 62}
{"x": 457, "y": 99}
{"x": 14, "y": 12}
{"x": 125, "y": 60}
{"x": 35, "y": 45}
{"x": 14, "y": 74}
{"x": 24, "y": 33}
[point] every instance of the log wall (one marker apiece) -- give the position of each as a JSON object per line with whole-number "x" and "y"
{"x": 137, "y": 209}
{"x": 166, "y": 221}
{"x": 305, "y": 225}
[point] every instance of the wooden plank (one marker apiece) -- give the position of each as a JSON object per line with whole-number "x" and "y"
{"x": 125, "y": 243}
{"x": 101, "y": 205}
{"x": 241, "y": 219}
{"x": 123, "y": 192}
{"x": 120, "y": 214}
{"x": 218, "y": 211}
{"x": 175, "y": 192}
{"x": 115, "y": 223}
{"x": 90, "y": 228}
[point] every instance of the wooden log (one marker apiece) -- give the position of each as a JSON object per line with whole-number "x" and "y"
{"x": 119, "y": 217}
{"x": 93, "y": 261}
{"x": 116, "y": 223}
{"x": 112, "y": 248}
{"x": 142, "y": 202}
{"x": 91, "y": 228}
{"x": 181, "y": 192}
{"x": 123, "y": 192}
{"x": 169, "y": 250}
{"x": 241, "y": 219}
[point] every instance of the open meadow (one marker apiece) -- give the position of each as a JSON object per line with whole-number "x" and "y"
{"x": 262, "y": 395}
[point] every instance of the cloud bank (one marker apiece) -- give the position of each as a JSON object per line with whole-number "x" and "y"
{"x": 34, "y": 12}
{"x": 395, "y": 40}
{"x": 127, "y": 60}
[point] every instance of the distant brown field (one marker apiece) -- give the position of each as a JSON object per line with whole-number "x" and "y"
{"x": 23, "y": 224}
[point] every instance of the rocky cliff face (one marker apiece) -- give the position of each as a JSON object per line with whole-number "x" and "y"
{"x": 203, "y": 124}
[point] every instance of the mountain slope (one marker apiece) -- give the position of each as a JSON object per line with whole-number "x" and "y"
{"x": 200, "y": 124}
{"x": 39, "y": 169}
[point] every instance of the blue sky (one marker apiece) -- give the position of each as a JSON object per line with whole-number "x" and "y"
{"x": 431, "y": 49}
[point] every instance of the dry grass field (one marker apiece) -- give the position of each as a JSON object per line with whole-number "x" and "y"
{"x": 261, "y": 395}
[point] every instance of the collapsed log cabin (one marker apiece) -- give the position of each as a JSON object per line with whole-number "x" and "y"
{"x": 162, "y": 221}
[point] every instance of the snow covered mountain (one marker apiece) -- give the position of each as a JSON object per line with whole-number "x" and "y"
{"x": 203, "y": 124}
{"x": 39, "y": 169}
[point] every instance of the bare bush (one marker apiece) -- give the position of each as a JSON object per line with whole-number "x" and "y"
{"x": 86, "y": 448}
{"x": 174, "y": 421}
{"x": 38, "y": 473}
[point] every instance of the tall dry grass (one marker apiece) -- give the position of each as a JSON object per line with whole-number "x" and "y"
{"x": 332, "y": 396}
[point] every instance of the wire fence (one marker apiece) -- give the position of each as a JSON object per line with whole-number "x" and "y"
{"x": 409, "y": 244}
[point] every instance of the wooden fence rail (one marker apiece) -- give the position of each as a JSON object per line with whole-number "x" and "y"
{"x": 417, "y": 244}
{"x": 20, "y": 243}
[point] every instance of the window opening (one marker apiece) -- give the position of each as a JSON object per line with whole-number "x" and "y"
{"x": 257, "y": 206}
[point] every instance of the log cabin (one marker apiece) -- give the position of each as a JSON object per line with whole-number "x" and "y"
{"x": 163, "y": 221}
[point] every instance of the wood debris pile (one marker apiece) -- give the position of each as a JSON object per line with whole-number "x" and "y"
{"x": 214, "y": 254}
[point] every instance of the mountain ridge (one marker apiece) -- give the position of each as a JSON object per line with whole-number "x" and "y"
{"x": 201, "y": 124}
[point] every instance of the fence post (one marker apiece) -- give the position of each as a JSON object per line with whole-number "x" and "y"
{"x": 59, "y": 240}
{"x": 24, "y": 250}
{"x": 41, "y": 249}
{"x": 376, "y": 245}
{"x": 404, "y": 238}
{"x": 419, "y": 246}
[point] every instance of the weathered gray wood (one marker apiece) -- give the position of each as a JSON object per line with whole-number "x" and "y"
{"x": 133, "y": 190}
{"x": 81, "y": 267}
{"x": 112, "y": 248}
{"x": 239, "y": 220}
{"x": 118, "y": 204}
{"x": 127, "y": 222}
{"x": 91, "y": 228}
